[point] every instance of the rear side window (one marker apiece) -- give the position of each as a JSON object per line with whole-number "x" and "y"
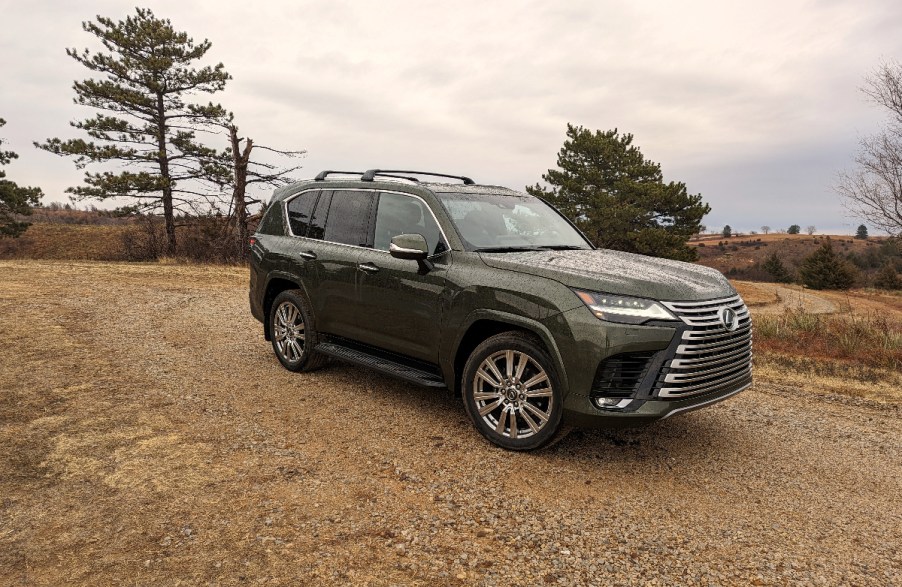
{"x": 272, "y": 220}
{"x": 300, "y": 209}
{"x": 349, "y": 218}
{"x": 317, "y": 226}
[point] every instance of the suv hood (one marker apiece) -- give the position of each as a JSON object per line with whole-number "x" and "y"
{"x": 616, "y": 272}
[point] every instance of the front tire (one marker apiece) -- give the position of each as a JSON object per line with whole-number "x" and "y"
{"x": 294, "y": 336}
{"x": 512, "y": 393}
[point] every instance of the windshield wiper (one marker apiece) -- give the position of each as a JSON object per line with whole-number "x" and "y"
{"x": 563, "y": 248}
{"x": 505, "y": 249}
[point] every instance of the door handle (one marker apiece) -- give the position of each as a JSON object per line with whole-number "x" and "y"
{"x": 308, "y": 255}
{"x": 368, "y": 267}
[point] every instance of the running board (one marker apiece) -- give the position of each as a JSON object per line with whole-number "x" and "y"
{"x": 383, "y": 364}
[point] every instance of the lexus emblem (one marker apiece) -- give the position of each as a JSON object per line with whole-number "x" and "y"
{"x": 729, "y": 319}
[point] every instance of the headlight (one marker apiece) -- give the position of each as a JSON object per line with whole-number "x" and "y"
{"x": 623, "y": 309}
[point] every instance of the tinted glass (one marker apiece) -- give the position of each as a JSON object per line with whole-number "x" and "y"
{"x": 318, "y": 222}
{"x": 272, "y": 220}
{"x": 299, "y": 211}
{"x": 349, "y": 218}
{"x": 399, "y": 214}
{"x": 515, "y": 221}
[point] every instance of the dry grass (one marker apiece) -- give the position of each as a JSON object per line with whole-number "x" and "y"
{"x": 70, "y": 242}
{"x": 150, "y": 438}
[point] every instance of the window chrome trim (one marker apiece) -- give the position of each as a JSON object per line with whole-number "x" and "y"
{"x": 376, "y": 191}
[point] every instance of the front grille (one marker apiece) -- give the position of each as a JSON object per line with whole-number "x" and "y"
{"x": 619, "y": 376}
{"x": 709, "y": 357}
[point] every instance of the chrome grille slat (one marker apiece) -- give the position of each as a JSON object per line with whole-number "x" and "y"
{"x": 698, "y": 349}
{"x": 695, "y": 374}
{"x": 696, "y": 336}
{"x": 709, "y": 357}
{"x": 707, "y": 361}
{"x": 681, "y": 392}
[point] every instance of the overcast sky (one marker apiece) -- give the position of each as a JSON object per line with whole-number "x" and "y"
{"x": 754, "y": 105}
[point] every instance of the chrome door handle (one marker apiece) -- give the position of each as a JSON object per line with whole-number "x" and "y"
{"x": 309, "y": 255}
{"x": 368, "y": 267}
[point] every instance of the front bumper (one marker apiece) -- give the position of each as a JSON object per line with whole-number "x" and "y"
{"x": 590, "y": 342}
{"x": 585, "y": 415}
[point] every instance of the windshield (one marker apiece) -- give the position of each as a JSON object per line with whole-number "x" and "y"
{"x": 498, "y": 223}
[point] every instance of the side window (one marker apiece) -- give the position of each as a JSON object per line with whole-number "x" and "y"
{"x": 399, "y": 214}
{"x": 318, "y": 222}
{"x": 349, "y": 217}
{"x": 272, "y": 220}
{"x": 300, "y": 208}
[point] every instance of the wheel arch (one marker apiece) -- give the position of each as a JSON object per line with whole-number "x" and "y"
{"x": 276, "y": 284}
{"x": 482, "y": 324}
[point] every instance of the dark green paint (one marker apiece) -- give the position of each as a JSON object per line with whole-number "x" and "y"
{"x": 426, "y": 314}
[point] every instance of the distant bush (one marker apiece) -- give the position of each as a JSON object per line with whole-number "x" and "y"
{"x": 774, "y": 266}
{"x": 887, "y": 278}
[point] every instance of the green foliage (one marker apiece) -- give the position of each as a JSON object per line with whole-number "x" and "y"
{"x": 148, "y": 126}
{"x": 777, "y": 270}
{"x": 824, "y": 269}
{"x": 618, "y": 197}
{"x": 794, "y": 229}
{"x": 15, "y": 200}
{"x": 862, "y": 232}
{"x": 887, "y": 278}
{"x": 727, "y": 231}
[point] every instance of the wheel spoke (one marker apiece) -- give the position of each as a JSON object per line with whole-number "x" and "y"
{"x": 544, "y": 392}
{"x": 533, "y": 425}
{"x": 521, "y": 366}
{"x": 538, "y": 378}
{"x": 513, "y": 422}
{"x": 493, "y": 369}
{"x": 509, "y": 363}
{"x": 542, "y": 416}
{"x": 482, "y": 396}
{"x": 489, "y": 408}
{"x": 296, "y": 348}
{"x": 499, "y": 429}
{"x": 487, "y": 377}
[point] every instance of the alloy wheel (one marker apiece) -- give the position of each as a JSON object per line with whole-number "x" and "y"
{"x": 513, "y": 394}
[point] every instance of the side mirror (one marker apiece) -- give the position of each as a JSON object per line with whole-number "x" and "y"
{"x": 409, "y": 246}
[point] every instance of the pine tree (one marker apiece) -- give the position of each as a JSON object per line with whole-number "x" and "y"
{"x": 777, "y": 270}
{"x": 14, "y": 200}
{"x": 727, "y": 231}
{"x": 145, "y": 79}
{"x": 618, "y": 197}
{"x": 862, "y": 232}
{"x": 824, "y": 269}
{"x": 794, "y": 229}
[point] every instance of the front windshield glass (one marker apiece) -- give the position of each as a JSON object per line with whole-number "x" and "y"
{"x": 491, "y": 222}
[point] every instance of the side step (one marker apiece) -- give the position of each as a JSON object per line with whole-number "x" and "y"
{"x": 382, "y": 362}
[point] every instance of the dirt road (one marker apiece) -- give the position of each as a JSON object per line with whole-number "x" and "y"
{"x": 150, "y": 438}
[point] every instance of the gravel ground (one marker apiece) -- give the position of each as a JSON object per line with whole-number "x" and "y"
{"x": 151, "y": 438}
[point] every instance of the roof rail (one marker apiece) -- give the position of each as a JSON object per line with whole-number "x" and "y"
{"x": 322, "y": 174}
{"x": 371, "y": 174}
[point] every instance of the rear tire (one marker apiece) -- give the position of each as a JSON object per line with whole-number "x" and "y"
{"x": 512, "y": 393}
{"x": 294, "y": 336}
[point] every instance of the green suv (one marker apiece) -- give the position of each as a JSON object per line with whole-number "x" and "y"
{"x": 496, "y": 296}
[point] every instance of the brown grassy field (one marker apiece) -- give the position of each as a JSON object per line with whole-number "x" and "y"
{"x": 741, "y": 257}
{"x": 150, "y": 438}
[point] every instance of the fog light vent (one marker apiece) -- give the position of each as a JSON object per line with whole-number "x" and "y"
{"x": 618, "y": 377}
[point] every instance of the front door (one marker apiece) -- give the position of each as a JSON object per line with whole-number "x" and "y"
{"x": 400, "y": 306}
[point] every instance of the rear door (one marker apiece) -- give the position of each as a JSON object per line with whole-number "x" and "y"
{"x": 400, "y": 306}
{"x": 341, "y": 224}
